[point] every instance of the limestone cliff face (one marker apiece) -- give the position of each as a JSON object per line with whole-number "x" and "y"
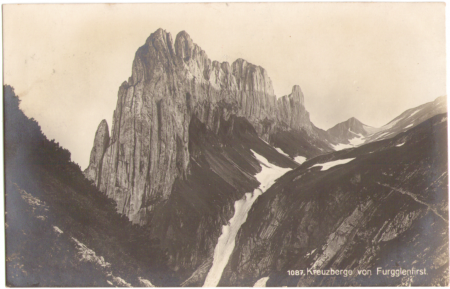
{"x": 291, "y": 111}
{"x": 101, "y": 142}
{"x": 171, "y": 82}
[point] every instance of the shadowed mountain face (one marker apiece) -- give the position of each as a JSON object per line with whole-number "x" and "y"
{"x": 381, "y": 205}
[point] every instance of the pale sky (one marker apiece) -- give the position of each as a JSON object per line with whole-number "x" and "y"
{"x": 371, "y": 61}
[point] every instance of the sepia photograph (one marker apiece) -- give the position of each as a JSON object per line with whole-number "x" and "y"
{"x": 225, "y": 144}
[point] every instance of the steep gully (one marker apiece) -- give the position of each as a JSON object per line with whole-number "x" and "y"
{"x": 226, "y": 242}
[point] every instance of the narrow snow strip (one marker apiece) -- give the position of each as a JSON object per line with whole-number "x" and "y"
{"x": 282, "y": 152}
{"x": 383, "y": 134}
{"x": 261, "y": 282}
{"x": 414, "y": 197}
{"x": 409, "y": 126}
{"x": 225, "y": 245}
{"x": 328, "y": 165}
{"x": 145, "y": 282}
{"x": 414, "y": 112}
{"x": 341, "y": 146}
{"x": 358, "y": 134}
{"x": 399, "y": 145}
{"x": 299, "y": 159}
{"x": 57, "y": 230}
{"x": 264, "y": 141}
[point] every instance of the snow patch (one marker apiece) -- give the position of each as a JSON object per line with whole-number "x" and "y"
{"x": 409, "y": 125}
{"x": 358, "y": 134}
{"x": 310, "y": 253}
{"x": 299, "y": 159}
{"x": 328, "y": 165}
{"x": 261, "y": 282}
{"x": 225, "y": 245}
{"x": 282, "y": 152}
{"x": 145, "y": 282}
{"x": 414, "y": 112}
{"x": 341, "y": 146}
{"x": 399, "y": 145}
{"x": 383, "y": 134}
{"x": 357, "y": 141}
{"x": 264, "y": 141}
{"x": 57, "y": 230}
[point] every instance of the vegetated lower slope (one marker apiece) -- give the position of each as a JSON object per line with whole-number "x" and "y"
{"x": 60, "y": 230}
{"x": 385, "y": 205}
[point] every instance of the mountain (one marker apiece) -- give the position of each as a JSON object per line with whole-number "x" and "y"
{"x": 183, "y": 140}
{"x": 381, "y": 206}
{"x": 409, "y": 119}
{"x": 206, "y": 178}
{"x": 352, "y": 132}
{"x": 173, "y": 82}
{"x": 348, "y": 133}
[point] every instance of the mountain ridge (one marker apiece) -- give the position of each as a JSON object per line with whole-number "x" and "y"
{"x": 171, "y": 82}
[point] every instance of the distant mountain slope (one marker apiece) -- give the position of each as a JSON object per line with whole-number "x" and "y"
{"x": 60, "y": 230}
{"x": 353, "y": 133}
{"x": 348, "y": 133}
{"x": 383, "y": 204}
{"x": 410, "y": 119}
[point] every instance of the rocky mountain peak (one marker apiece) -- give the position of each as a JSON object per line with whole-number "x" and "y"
{"x": 297, "y": 95}
{"x": 251, "y": 77}
{"x": 292, "y": 112}
{"x": 171, "y": 83}
{"x": 101, "y": 142}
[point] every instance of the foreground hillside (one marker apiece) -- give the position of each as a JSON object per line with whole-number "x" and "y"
{"x": 381, "y": 205}
{"x": 60, "y": 230}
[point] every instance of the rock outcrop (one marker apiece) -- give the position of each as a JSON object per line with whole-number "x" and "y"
{"x": 292, "y": 113}
{"x": 101, "y": 142}
{"x": 171, "y": 82}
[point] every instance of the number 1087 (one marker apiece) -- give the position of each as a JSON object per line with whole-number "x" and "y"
{"x": 295, "y": 272}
